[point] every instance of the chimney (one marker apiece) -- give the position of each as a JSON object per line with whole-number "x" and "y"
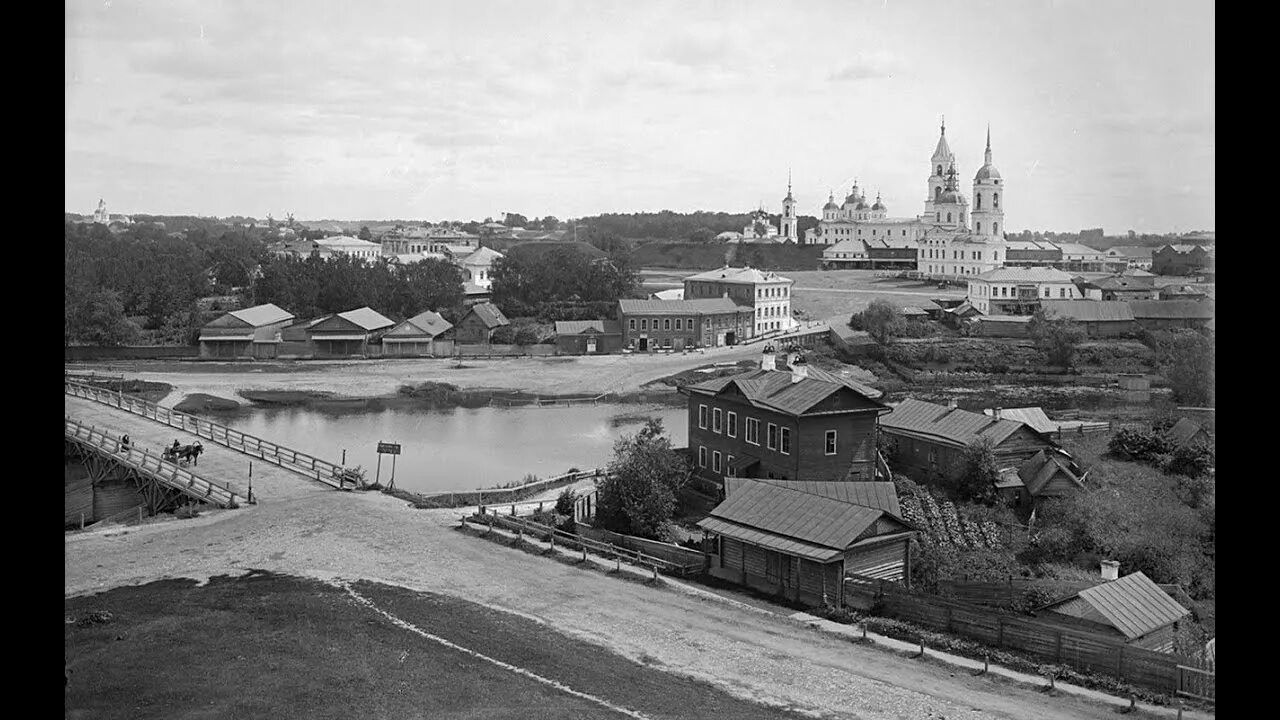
{"x": 952, "y": 404}
{"x": 799, "y": 369}
{"x": 1110, "y": 570}
{"x": 768, "y": 361}
{"x": 997, "y": 413}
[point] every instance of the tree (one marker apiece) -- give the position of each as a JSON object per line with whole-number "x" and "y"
{"x": 702, "y": 234}
{"x": 978, "y": 481}
{"x": 550, "y": 223}
{"x": 1189, "y": 368}
{"x": 365, "y": 234}
{"x": 1057, "y": 338}
{"x": 638, "y": 495}
{"x": 515, "y": 220}
{"x": 96, "y": 317}
{"x": 879, "y": 319}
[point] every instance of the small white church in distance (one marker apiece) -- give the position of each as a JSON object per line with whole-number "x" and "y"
{"x": 951, "y": 237}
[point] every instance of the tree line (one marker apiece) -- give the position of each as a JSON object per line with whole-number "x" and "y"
{"x": 311, "y": 286}
{"x": 700, "y": 226}
{"x": 562, "y": 284}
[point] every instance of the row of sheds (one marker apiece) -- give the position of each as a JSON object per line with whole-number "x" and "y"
{"x": 267, "y": 331}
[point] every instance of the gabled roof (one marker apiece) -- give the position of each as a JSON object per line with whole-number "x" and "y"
{"x": 1133, "y": 604}
{"x": 791, "y": 521}
{"x": 875, "y": 495}
{"x": 580, "y": 327}
{"x": 260, "y": 315}
{"x": 482, "y": 256}
{"x": 346, "y": 241}
{"x": 1184, "y": 430}
{"x": 1173, "y": 309}
{"x": 699, "y": 306}
{"x": 952, "y": 425}
{"x": 427, "y": 323}
{"x": 1037, "y": 470}
{"x": 1087, "y": 310}
{"x": 844, "y": 246}
{"x": 1033, "y": 417}
{"x": 669, "y": 294}
{"x": 1077, "y": 249}
{"x": 1135, "y": 252}
{"x": 1129, "y": 282}
{"x": 490, "y": 315}
{"x": 748, "y": 275}
{"x": 367, "y": 318}
{"x": 775, "y": 390}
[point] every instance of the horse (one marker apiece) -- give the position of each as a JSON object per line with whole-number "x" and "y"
{"x": 184, "y": 454}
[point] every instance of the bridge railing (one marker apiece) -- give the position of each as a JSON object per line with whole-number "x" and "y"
{"x": 300, "y": 462}
{"x": 145, "y": 462}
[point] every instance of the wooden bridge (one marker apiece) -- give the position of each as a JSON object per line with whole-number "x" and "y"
{"x": 331, "y": 474}
{"x": 161, "y": 483}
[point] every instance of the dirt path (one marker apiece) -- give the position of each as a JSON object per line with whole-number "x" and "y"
{"x": 328, "y": 534}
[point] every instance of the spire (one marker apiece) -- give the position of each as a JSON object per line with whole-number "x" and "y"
{"x": 944, "y": 125}
{"x": 987, "y": 156}
{"x": 788, "y": 198}
{"x": 942, "y": 154}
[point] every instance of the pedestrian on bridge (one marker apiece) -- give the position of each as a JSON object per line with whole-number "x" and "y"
{"x": 124, "y": 443}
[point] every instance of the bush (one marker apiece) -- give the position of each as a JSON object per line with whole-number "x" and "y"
{"x": 505, "y": 335}
{"x": 566, "y": 501}
{"x": 527, "y": 335}
{"x": 1144, "y": 446}
{"x": 1191, "y": 460}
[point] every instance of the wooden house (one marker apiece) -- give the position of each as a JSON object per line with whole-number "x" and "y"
{"x": 928, "y": 441}
{"x": 477, "y": 326}
{"x": 1172, "y": 314}
{"x": 588, "y": 337}
{"x": 1187, "y": 432}
{"x": 249, "y": 333}
{"x": 1132, "y": 608}
{"x": 417, "y": 337}
{"x": 799, "y": 540}
{"x": 1098, "y": 318}
{"x": 1050, "y": 473}
{"x": 348, "y": 334}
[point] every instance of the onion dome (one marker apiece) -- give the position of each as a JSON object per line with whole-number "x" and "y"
{"x": 879, "y": 205}
{"x": 831, "y": 203}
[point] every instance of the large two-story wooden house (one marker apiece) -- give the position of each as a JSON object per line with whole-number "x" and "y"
{"x": 799, "y": 423}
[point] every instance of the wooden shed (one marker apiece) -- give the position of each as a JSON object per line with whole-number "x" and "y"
{"x": 477, "y": 326}
{"x": 1132, "y": 608}
{"x": 349, "y": 333}
{"x": 249, "y": 333}
{"x": 1099, "y": 318}
{"x": 588, "y": 337}
{"x": 419, "y": 336}
{"x": 800, "y": 539}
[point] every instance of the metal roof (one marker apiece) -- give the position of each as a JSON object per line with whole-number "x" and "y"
{"x": 1124, "y": 282}
{"x": 1088, "y": 310}
{"x": 482, "y": 256}
{"x": 1033, "y": 417}
{"x": 260, "y": 315}
{"x": 701, "y": 306}
{"x": 1132, "y": 251}
{"x": 1184, "y": 430}
{"x": 795, "y": 515}
{"x": 775, "y": 389}
{"x": 1173, "y": 309}
{"x": 577, "y": 327}
{"x": 367, "y": 318}
{"x": 959, "y": 427}
{"x": 1031, "y": 274}
{"x": 1037, "y": 470}
{"x": 875, "y": 495}
{"x": 1134, "y": 604}
{"x": 739, "y": 275}
{"x": 427, "y": 323}
{"x": 768, "y": 540}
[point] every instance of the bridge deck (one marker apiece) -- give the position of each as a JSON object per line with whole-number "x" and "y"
{"x": 218, "y": 464}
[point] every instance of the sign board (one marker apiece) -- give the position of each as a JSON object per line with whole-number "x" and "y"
{"x": 388, "y": 448}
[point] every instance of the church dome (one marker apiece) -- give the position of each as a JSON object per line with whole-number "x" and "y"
{"x": 987, "y": 172}
{"x": 851, "y": 200}
{"x": 862, "y": 205}
{"x": 878, "y": 206}
{"x": 831, "y": 205}
{"x": 950, "y": 196}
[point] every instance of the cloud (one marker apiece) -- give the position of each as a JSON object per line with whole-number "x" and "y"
{"x": 870, "y": 66}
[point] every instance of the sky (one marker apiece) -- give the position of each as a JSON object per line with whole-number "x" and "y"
{"x": 1101, "y": 113}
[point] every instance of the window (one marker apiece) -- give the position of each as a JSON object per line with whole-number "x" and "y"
{"x": 772, "y": 438}
{"x": 666, "y": 324}
{"x": 1062, "y": 292}
{"x": 702, "y": 416}
{"x": 995, "y": 200}
{"x": 702, "y": 456}
{"x": 977, "y": 202}
{"x": 731, "y": 428}
{"x": 1046, "y": 292}
{"x": 644, "y": 323}
{"x": 729, "y": 469}
{"x": 716, "y": 420}
{"x": 678, "y": 323}
{"x": 948, "y": 217}
{"x": 784, "y": 445}
{"x": 715, "y": 461}
{"x": 666, "y": 342}
{"x": 831, "y": 442}
{"x": 631, "y": 323}
{"x": 753, "y": 431}
{"x": 978, "y": 229}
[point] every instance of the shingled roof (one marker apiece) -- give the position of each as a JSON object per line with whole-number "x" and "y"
{"x": 490, "y": 315}
{"x": 260, "y": 315}
{"x": 876, "y": 495}
{"x": 952, "y": 425}
{"x": 428, "y": 324}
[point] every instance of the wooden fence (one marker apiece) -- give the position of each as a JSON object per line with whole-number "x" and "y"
{"x": 577, "y": 542}
{"x": 1061, "y": 644}
{"x": 324, "y": 471}
{"x": 1008, "y": 593}
{"x": 678, "y": 554}
{"x": 153, "y": 466}
{"x": 501, "y": 496}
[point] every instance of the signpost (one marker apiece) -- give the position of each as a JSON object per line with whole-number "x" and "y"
{"x": 392, "y": 449}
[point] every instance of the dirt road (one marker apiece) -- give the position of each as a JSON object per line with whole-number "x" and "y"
{"x": 325, "y": 534}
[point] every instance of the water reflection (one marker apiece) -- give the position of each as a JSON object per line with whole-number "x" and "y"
{"x": 463, "y": 448}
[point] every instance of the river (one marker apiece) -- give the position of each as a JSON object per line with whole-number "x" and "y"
{"x": 462, "y": 448}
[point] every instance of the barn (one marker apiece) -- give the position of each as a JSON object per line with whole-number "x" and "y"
{"x": 799, "y": 539}
{"x": 349, "y": 333}
{"x": 250, "y": 333}
{"x": 419, "y": 336}
{"x": 478, "y": 325}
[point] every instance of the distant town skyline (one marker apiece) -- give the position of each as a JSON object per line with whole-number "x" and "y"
{"x": 1101, "y": 115}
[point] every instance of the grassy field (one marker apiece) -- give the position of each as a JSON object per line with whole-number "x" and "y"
{"x": 267, "y": 645}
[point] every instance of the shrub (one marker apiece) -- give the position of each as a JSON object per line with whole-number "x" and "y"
{"x": 527, "y": 335}
{"x": 1144, "y": 446}
{"x": 505, "y": 335}
{"x": 565, "y": 502}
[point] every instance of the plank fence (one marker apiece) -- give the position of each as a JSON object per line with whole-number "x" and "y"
{"x": 500, "y": 496}
{"x": 324, "y": 471}
{"x": 1052, "y": 642}
{"x": 577, "y": 542}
